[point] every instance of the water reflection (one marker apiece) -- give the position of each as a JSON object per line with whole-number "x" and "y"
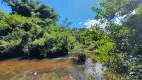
{"x": 54, "y": 69}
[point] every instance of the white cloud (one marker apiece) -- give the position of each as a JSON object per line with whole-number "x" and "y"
{"x": 132, "y": 13}
{"x": 119, "y": 20}
{"x": 80, "y": 22}
{"x": 89, "y": 23}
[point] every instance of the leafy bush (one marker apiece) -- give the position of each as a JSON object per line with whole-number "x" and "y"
{"x": 77, "y": 50}
{"x": 93, "y": 46}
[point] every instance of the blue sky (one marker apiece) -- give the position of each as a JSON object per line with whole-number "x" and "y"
{"x": 77, "y": 11}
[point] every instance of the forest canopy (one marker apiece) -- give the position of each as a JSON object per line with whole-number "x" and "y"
{"x": 32, "y": 29}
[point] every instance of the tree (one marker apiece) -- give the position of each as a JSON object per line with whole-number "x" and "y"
{"x": 113, "y": 8}
{"x": 32, "y": 8}
{"x": 126, "y": 36}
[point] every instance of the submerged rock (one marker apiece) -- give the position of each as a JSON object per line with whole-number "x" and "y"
{"x": 81, "y": 58}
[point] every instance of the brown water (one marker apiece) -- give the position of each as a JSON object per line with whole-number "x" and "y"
{"x": 54, "y": 69}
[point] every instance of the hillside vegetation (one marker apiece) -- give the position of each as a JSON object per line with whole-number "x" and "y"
{"x": 32, "y": 30}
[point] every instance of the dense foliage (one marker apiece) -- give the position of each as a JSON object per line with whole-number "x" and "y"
{"x": 32, "y": 30}
{"x": 126, "y": 35}
{"x": 32, "y": 8}
{"x": 23, "y": 34}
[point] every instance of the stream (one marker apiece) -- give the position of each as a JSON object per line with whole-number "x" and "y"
{"x": 50, "y": 69}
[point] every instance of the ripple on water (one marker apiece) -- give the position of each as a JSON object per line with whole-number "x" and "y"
{"x": 59, "y": 68}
